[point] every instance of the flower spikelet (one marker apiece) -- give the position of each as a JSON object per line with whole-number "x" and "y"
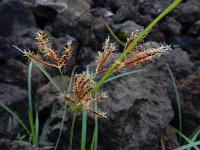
{"x": 108, "y": 49}
{"x": 66, "y": 54}
{"x": 133, "y": 59}
{"x": 132, "y": 38}
{"x": 83, "y": 85}
{"x": 82, "y": 94}
{"x": 47, "y": 55}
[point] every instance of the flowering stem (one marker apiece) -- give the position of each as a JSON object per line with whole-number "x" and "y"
{"x": 63, "y": 79}
{"x": 72, "y": 130}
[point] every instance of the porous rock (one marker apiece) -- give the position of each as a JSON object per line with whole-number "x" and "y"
{"x": 189, "y": 89}
{"x": 15, "y": 17}
{"x": 138, "y": 108}
{"x": 16, "y": 99}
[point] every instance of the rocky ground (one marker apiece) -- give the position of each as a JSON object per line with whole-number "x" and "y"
{"x": 139, "y": 106}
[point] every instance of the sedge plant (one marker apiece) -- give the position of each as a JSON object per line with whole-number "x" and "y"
{"x": 84, "y": 96}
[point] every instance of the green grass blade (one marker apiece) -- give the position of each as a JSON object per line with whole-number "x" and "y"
{"x": 16, "y": 117}
{"x": 190, "y": 145}
{"x": 93, "y": 139}
{"x": 65, "y": 110}
{"x": 65, "y": 83}
{"x": 177, "y": 99}
{"x": 84, "y": 129}
{"x": 72, "y": 131}
{"x": 131, "y": 45}
{"x": 71, "y": 78}
{"x": 31, "y": 123}
{"x": 29, "y": 89}
{"x": 195, "y": 133}
{"x": 61, "y": 128}
{"x": 183, "y": 136}
{"x": 122, "y": 75}
{"x": 94, "y": 143}
{"x": 30, "y": 109}
{"x": 37, "y": 125}
{"x": 114, "y": 35}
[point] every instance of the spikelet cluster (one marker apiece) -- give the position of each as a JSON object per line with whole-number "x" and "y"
{"x": 108, "y": 49}
{"x": 82, "y": 94}
{"x": 135, "y": 56}
{"x": 47, "y": 55}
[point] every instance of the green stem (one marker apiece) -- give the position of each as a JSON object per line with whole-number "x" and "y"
{"x": 84, "y": 129}
{"x": 96, "y": 129}
{"x": 63, "y": 78}
{"x": 94, "y": 142}
{"x": 72, "y": 130}
{"x": 177, "y": 101}
{"x": 144, "y": 32}
{"x": 30, "y": 106}
{"x": 115, "y": 37}
{"x": 62, "y": 124}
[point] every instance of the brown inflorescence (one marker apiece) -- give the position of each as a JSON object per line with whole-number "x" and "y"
{"x": 135, "y": 56}
{"x": 47, "y": 55}
{"x": 81, "y": 96}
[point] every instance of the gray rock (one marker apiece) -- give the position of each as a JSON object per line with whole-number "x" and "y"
{"x": 153, "y": 7}
{"x": 189, "y": 89}
{"x": 24, "y": 40}
{"x": 15, "y": 72}
{"x": 171, "y": 26}
{"x": 101, "y": 12}
{"x": 48, "y": 94}
{"x": 89, "y": 27}
{"x": 138, "y": 108}
{"x": 187, "y": 12}
{"x": 178, "y": 59}
{"x": 16, "y": 99}
{"x": 46, "y": 11}
{"x": 86, "y": 55}
{"x": 74, "y": 7}
{"x": 15, "y": 17}
{"x": 125, "y": 12}
{"x": 187, "y": 43}
{"x": 195, "y": 29}
{"x": 6, "y": 144}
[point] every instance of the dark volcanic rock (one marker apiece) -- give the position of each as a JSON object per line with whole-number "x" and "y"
{"x": 6, "y": 144}
{"x": 178, "y": 60}
{"x": 171, "y": 26}
{"x": 46, "y": 11}
{"x": 7, "y": 51}
{"x": 15, "y": 17}
{"x": 125, "y": 12}
{"x": 24, "y": 40}
{"x": 90, "y": 29}
{"x": 48, "y": 93}
{"x": 189, "y": 89}
{"x": 195, "y": 29}
{"x": 16, "y": 99}
{"x": 188, "y": 43}
{"x": 101, "y": 12}
{"x": 138, "y": 110}
{"x": 15, "y": 72}
{"x": 188, "y": 12}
